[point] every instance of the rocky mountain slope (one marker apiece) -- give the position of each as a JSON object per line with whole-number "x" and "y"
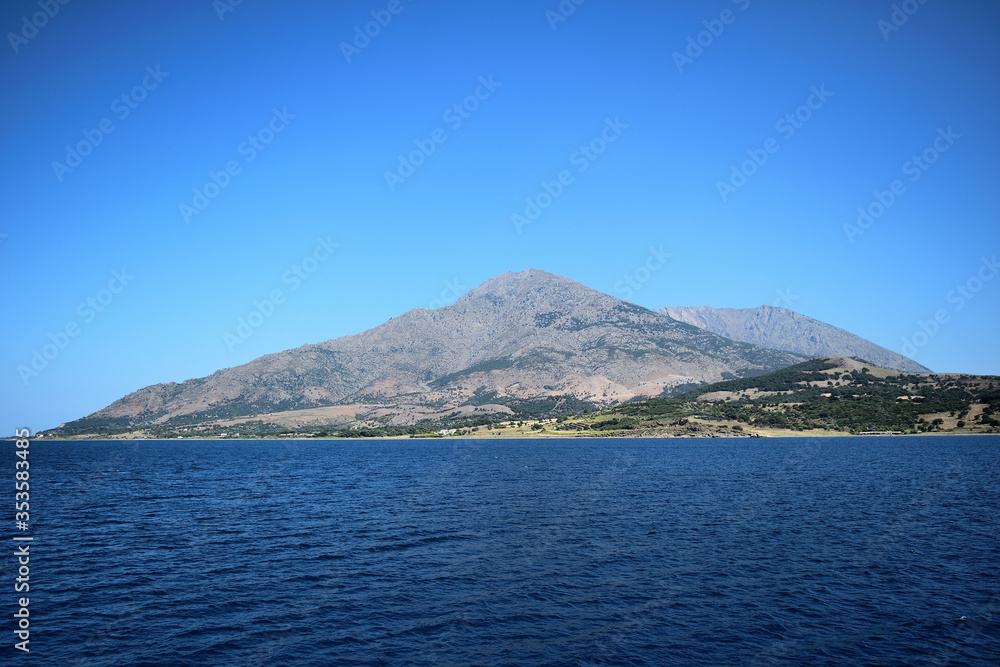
{"x": 518, "y": 336}
{"x": 783, "y": 329}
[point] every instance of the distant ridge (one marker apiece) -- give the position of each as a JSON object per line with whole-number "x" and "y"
{"x": 784, "y": 329}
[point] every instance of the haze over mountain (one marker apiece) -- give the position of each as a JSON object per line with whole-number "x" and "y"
{"x": 517, "y": 336}
{"x": 783, "y": 329}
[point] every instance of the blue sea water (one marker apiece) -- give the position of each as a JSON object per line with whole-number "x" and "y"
{"x": 803, "y": 551}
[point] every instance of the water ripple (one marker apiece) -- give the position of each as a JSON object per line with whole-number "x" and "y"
{"x": 580, "y": 552}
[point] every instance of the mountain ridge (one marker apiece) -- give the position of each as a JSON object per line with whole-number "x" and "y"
{"x": 783, "y": 329}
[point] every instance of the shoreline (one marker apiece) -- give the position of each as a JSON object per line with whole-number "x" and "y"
{"x": 532, "y": 436}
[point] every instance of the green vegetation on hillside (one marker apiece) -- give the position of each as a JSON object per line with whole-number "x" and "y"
{"x": 816, "y": 395}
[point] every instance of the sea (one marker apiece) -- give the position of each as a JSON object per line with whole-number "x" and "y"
{"x": 774, "y": 551}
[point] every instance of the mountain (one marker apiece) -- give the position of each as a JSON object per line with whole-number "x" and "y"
{"x": 783, "y": 329}
{"x": 528, "y": 341}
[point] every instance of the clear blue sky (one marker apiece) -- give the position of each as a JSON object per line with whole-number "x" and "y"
{"x": 328, "y": 126}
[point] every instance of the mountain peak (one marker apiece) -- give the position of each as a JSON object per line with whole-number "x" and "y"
{"x": 531, "y": 288}
{"x": 529, "y": 277}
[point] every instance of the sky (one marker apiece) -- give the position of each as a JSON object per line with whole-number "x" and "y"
{"x": 188, "y": 185}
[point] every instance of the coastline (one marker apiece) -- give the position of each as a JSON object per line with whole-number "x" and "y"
{"x": 536, "y": 435}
